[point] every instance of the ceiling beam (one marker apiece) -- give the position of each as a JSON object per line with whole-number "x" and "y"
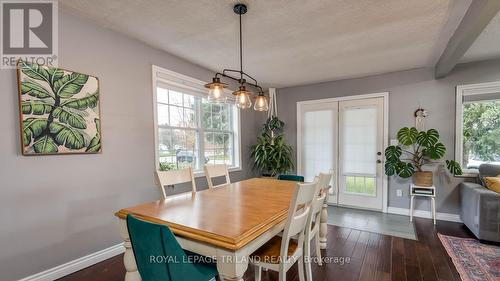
{"x": 476, "y": 18}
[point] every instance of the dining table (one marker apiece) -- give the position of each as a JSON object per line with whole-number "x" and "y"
{"x": 227, "y": 223}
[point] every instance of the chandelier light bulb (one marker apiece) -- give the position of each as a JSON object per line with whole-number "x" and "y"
{"x": 261, "y": 103}
{"x": 243, "y": 98}
{"x": 216, "y": 91}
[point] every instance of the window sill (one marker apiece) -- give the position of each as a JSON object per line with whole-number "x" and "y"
{"x": 199, "y": 174}
{"x": 469, "y": 173}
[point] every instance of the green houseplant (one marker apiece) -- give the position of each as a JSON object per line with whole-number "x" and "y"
{"x": 272, "y": 155}
{"x": 416, "y": 149}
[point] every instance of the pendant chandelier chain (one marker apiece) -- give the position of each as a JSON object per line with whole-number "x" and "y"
{"x": 241, "y": 51}
{"x": 242, "y": 95}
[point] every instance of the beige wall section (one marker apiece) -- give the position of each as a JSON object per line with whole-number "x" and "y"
{"x": 407, "y": 90}
{"x": 54, "y": 209}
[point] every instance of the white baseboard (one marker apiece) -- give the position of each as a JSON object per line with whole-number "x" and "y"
{"x": 76, "y": 265}
{"x": 425, "y": 214}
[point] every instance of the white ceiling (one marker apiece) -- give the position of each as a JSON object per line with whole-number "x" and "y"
{"x": 487, "y": 45}
{"x": 288, "y": 42}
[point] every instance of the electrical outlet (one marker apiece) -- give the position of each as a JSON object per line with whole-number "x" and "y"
{"x": 394, "y": 142}
{"x": 399, "y": 193}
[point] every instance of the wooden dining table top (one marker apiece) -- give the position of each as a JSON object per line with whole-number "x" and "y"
{"x": 229, "y": 216}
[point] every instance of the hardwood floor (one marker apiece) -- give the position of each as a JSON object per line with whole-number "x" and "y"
{"x": 372, "y": 256}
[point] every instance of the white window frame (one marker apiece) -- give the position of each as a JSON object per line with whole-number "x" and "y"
{"x": 462, "y": 91}
{"x": 189, "y": 85}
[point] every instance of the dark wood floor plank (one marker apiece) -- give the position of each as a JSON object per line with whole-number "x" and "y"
{"x": 383, "y": 269}
{"x": 411, "y": 261}
{"x": 398, "y": 269}
{"x": 424, "y": 257}
{"x": 372, "y": 257}
{"x": 360, "y": 248}
{"x": 349, "y": 271}
{"x": 437, "y": 251}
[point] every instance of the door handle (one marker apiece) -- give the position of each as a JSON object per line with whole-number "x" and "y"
{"x": 379, "y": 161}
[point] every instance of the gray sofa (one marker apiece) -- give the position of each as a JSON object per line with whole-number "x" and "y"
{"x": 480, "y": 207}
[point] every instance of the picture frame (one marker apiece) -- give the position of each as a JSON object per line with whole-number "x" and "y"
{"x": 59, "y": 111}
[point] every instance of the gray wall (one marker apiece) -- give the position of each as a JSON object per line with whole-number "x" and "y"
{"x": 407, "y": 90}
{"x": 58, "y": 208}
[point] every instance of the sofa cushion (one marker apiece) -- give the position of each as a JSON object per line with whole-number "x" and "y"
{"x": 488, "y": 170}
{"x": 493, "y": 183}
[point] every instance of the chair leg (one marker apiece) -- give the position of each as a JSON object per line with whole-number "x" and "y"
{"x": 258, "y": 273}
{"x": 307, "y": 254}
{"x": 300, "y": 263}
{"x": 318, "y": 249}
{"x": 282, "y": 273}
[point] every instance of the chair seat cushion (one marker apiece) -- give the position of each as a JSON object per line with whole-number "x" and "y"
{"x": 270, "y": 252}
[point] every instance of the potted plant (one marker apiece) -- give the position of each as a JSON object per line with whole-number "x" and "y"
{"x": 272, "y": 155}
{"x": 416, "y": 149}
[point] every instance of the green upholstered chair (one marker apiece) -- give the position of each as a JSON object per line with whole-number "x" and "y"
{"x": 291, "y": 178}
{"x": 159, "y": 256}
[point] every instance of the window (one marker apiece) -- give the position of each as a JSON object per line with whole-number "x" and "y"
{"x": 478, "y": 125}
{"x": 190, "y": 131}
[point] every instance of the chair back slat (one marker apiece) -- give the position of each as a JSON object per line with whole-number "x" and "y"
{"x": 299, "y": 221}
{"x": 324, "y": 182}
{"x": 216, "y": 170}
{"x": 317, "y": 204}
{"x": 298, "y": 213}
{"x": 167, "y": 178}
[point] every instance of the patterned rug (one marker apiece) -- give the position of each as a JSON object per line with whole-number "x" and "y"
{"x": 473, "y": 260}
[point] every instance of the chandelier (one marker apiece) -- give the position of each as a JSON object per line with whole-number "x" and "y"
{"x": 243, "y": 96}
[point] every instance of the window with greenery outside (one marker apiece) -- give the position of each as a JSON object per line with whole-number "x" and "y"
{"x": 481, "y": 133}
{"x": 193, "y": 132}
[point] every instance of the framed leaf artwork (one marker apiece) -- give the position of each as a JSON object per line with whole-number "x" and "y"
{"x": 59, "y": 110}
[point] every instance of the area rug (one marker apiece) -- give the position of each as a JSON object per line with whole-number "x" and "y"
{"x": 474, "y": 261}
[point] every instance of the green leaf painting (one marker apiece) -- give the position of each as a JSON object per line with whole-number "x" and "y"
{"x": 59, "y": 110}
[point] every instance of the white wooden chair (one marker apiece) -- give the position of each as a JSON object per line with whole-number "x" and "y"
{"x": 281, "y": 252}
{"x": 167, "y": 178}
{"x": 313, "y": 222}
{"x": 217, "y": 170}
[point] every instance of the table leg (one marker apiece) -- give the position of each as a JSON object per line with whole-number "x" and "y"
{"x": 323, "y": 224}
{"x": 132, "y": 274}
{"x": 231, "y": 266}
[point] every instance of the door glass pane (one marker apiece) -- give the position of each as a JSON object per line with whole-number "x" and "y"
{"x": 359, "y": 133}
{"x": 360, "y": 184}
{"x": 360, "y": 141}
{"x": 317, "y": 142}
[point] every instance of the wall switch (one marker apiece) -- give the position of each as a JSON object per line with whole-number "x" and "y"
{"x": 394, "y": 142}
{"x": 399, "y": 193}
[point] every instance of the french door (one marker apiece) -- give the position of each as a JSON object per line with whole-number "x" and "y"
{"x": 318, "y": 149}
{"x": 346, "y": 137}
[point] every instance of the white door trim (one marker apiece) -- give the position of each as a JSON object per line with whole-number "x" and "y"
{"x": 384, "y": 95}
